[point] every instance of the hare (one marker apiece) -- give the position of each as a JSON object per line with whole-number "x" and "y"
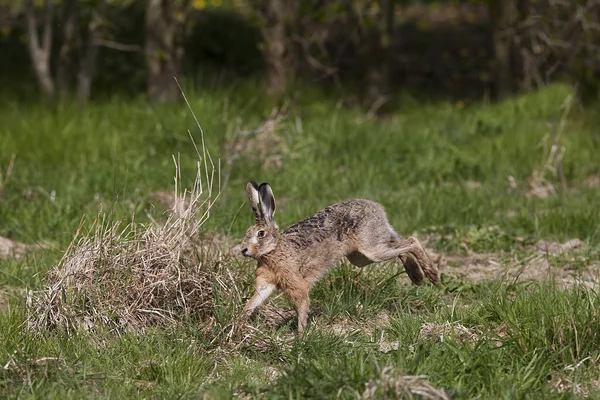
{"x": 293, "y": 260}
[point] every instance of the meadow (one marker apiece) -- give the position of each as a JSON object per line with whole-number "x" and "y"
{"x": 505, "y": 196}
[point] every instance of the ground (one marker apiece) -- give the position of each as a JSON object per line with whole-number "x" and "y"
{"x": 504, "y": 197}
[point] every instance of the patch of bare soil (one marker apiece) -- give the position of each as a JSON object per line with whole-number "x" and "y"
{"x": 536, "y": 266}
{"x": 592, "y": 181}
{"x": 12, "y": 248}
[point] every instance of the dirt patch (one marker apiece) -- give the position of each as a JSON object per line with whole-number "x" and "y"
{"x": 540, "y": 264}
{"x": 12, "y": 248}
{"x": 592, "y": 181}
{"x": 545, "y": 247}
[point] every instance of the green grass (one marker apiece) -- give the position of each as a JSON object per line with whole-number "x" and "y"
{"x": 418, "y": 162}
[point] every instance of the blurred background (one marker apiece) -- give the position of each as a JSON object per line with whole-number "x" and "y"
{"x": 369, "y": 50}
{"x": 457, "y": 115}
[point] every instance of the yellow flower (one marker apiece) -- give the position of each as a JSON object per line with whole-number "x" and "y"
{"x": 199, "y": 4}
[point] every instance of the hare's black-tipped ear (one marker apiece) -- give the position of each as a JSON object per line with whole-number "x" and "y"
{"x": 267, "y": 201}
{"x": 254, "y": 199}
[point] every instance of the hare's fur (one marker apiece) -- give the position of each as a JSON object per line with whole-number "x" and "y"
{"x": 293, "y": 260}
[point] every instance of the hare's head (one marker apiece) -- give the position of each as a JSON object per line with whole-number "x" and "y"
{"x": 262, "y": 237}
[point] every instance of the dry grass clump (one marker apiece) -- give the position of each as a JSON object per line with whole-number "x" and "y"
{"x": 459, "y": 332}
{"x": 393, "y": 385}
{"x": 123, "y": 276}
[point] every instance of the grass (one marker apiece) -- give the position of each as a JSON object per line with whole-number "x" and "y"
{"x": 441, "y": 171}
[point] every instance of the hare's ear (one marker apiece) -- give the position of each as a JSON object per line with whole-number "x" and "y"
{"x": 254, "y": 199}
{"x": 267, "y": 201}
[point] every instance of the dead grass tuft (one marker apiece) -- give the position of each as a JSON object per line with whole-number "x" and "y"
{"x": 244, "y": 335}
{"x": 453, "y": 330}
{"x": 391, "y": 384}
{"x": 122, "y": 276}
{"x": 560, "y": 384}
{"x": 264, "y": 143}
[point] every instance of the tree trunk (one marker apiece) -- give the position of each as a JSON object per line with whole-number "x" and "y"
{"x": 278, "y": 45}
{"x": 40, "y": 51}
{"x": 164, "y": 30}
{"x": 87, "y": 66}
{"x": 503, "y": 15}
{"x": 523, "y": 56}
{"x": 379, "y": 70}
{"x": 64, "y": 66}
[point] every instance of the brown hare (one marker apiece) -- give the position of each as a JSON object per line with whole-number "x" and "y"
{"x": 293, "y": 260}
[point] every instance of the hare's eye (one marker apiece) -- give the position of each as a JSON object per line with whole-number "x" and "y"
{"x": 260, "y": 233}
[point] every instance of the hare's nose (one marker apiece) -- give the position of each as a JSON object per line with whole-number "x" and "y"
{"x": 245, "y": 252}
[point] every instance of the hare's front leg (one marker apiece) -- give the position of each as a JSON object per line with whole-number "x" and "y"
{"x": 263, "y": 290}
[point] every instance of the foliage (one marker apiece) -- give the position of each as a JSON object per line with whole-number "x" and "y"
{"x": 437, "y": 47}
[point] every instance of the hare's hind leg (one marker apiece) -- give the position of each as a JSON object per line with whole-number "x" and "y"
{"x": 418, "y": 255}
{"x": 411, "y": 253}
{"x": 299, "y": 296}
{"x": 412, "y": 269}
{"x": 302, "y": 306}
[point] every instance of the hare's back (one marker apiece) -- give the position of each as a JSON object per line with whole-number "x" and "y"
{"x": 342, "y": 219}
